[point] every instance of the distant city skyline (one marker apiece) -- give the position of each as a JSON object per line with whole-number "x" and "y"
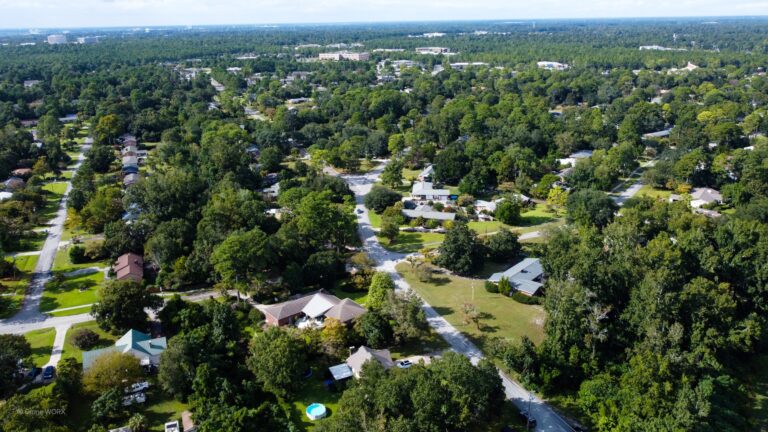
{"x": 118, "y": 13}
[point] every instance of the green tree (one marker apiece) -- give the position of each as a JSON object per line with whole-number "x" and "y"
{"x": 112, "y": 370}
{"x": 460, "y": 252}
{"x": 13, "y": 348}
{"x": 392, "y": 175}
{"x": 390, "y": 228}
{"x": 122, "y": 305}
{"x": 590, "y": 207}
{"x": 502, "y": 246}
{"x": 277, "y": 359}
{"x": 379, "y": 198}
{"x": 108, "y": 407}
{"x": 69, "y": 380}
{"x": 381, "y": 285}
{"x": 241, "y": 259}
{"x": 108, "y": 128}
{"x": 508, "y": 211}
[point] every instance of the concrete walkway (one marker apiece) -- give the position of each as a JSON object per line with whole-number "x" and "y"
{"x": 546, "y": 418}
{"x": 58, "y": 344}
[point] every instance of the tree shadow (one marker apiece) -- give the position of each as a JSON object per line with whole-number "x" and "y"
{"x": 535, "y": 220}
{"x": 443, "y": 310}
{"x": 483, "y": 318}
{"x": 439, "y": 280}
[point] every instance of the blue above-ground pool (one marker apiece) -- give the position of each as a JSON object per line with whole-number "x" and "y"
{"x": 316, "y": 411}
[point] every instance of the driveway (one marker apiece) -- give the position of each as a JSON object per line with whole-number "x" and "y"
{"x": 546, "y": 418}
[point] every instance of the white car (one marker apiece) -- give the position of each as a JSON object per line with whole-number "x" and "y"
{"x": 138, "y": 387}
{"x": 134, "y": 399}
{"x": 404, "y": 364}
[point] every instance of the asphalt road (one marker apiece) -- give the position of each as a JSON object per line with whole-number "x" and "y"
{"x": 547, "y": 420}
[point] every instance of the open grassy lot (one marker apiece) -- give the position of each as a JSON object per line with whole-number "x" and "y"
{"x": 70, "y": 312}
{"x": 650, "y": 191}
{"x": 71, "y": 351}
{"x": 41, "y": 342}
{"x": 161, "y": 408}
{"x": 499, "y": 316}
{"x": 359, "y": 297}
{"x": 74, "y": 291}
{"x": 409, "y": 242}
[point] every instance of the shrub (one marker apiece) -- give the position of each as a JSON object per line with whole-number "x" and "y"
{"x": 524, "y": 299}
{"x": 94, "y": 250}
{"x": 505, "y": 287}
{"x": 85, "y": 339}
{"x": 77, "y": 254}
{"x": 491, "y": 287}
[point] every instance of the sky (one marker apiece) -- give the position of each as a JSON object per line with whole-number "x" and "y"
{"x": 129, "y": 13}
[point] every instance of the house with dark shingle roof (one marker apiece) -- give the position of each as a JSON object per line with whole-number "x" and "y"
{"x": 134, "y": 342}
{"x": 129, "y": 266}
{"x": 314, "y": 307}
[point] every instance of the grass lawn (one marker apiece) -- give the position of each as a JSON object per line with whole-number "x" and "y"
{"x": 75, "y": 291}
{"x": 650, "y": 191}
{"x": 375, "y": 219}
{"x": 755, "y": 378}
{"x": 30, "y": 241}
{"x": 70, "y": 312}
{"x": 499, "y": 316}
{"x": 161, "y": 408}
{"x": 358, "y": 296}
{"x": 312, "y": 390}
{"x": 70, "y": 350}
{"x": 53, "y": 198}
{"x": 409, "y": 242}
{"x": 41, "y": 342}
{"x": 62, "y": 263}
{"x": 56, "y": 188}
{"x": 433, "y": 343}
{"x": 70, "y": 232}
{"x": 12, "y": 289}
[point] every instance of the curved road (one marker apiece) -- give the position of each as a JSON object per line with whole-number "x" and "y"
{"x": 547, "y": 420}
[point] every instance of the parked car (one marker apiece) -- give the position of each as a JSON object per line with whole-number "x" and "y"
{"x": 134, "y": 399}
{"x": 404, "y": 364}
{"x": 138, "y": 387}
{"x": 49, "y": 372}
{"x": 528, "y": 418}
{"x": 32, "y": 373}
{"x": 172, "y": 426}
{"x": 359, "y": 211}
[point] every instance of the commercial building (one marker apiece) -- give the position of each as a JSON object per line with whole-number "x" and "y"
{"x": 433, "y": 50}
{"x": 345, "y": 55}
{"x": 57, "y": 39}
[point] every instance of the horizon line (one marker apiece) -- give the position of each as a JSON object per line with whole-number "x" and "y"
{"x": 362, "y": 22}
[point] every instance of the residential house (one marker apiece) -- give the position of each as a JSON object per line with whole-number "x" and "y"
{"x": 69, "y": 118}
{"x": 134, "y": 342}
{"x": 428, "y": 212}
{"x": 525, "y": 276}
{"x": 30, "y": 83}
{"x": 364, "y": 355}
{"x": 29, "y": 123}
{"x": 427, "y": 173}
{"x": 574, "y": 157}
{"x": 130, "y": 160}
{"x": 704, "y": 196}
{"x": 5, "y": 195}
{"x": 656, "y": 135}
{"x": 311, "y": 310}
{"x": 22, "y": 172}
{"x": 14, "y": 183}
{"x": 425, "y": 191}
{"x": 129, "y": 266}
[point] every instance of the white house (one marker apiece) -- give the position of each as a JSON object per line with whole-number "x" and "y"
{"x": 425, "y": 191}
{"x": 703, "y": 196}
{"x": 427, "y": 173}
{"x": 427, "y": 212}
{"x": 551, "y": 65}
{"x": 571, "y": 160}
{"x": 524, "y": 276}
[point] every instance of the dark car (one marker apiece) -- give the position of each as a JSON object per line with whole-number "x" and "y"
{"x": 49, "y": 372}
{"x": 33, "y": 372}
{"x": 526, "y": 417}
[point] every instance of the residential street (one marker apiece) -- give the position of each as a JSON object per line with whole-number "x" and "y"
{"x": 633, "y": 189}
{"x": 546, "y": 418}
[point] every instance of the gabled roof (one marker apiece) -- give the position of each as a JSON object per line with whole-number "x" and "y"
{"x": 346, "y": 310}
{"x": 428, "y": 171}
{"x": 319, "y": 304}
{"x": 426, "y": 188}
{"x": 363, "y": 354}
{"x": 526, "y": 286}
{"x": 527, "y": 269}
{"x": 287, "y": 309}
{"x": 129, "y": 265}
{"x": 706, "y": 194}
{"x": 133, "y": 342}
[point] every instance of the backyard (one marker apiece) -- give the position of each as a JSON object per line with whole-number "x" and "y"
{"x": 77, "y": 290}
{"x": 13, "y": 288}
{"x": 70, "y": 350}
{"x": 499, "y": 316}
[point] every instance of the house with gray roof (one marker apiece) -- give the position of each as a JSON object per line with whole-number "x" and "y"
{"x": 134, "y": 342}
{"x": 365, "y": 354}
{"x": 703, "y": 196}
{"x": 425, "y": 191}
{"x": 428, "y": 212}
{"x": 525, "y": 276}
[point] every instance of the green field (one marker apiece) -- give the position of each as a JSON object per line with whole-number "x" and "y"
{"x": 650, "y": 191}
{"x": 41, "y": 342}
{"x": 62, "y": 263}
{"x": 72, "y": 351}
{"x": 499, "y": 316}
{"x": 409, "y": 242}
{"x": 161, "y": 408}
{"x": 74, "y": 291}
